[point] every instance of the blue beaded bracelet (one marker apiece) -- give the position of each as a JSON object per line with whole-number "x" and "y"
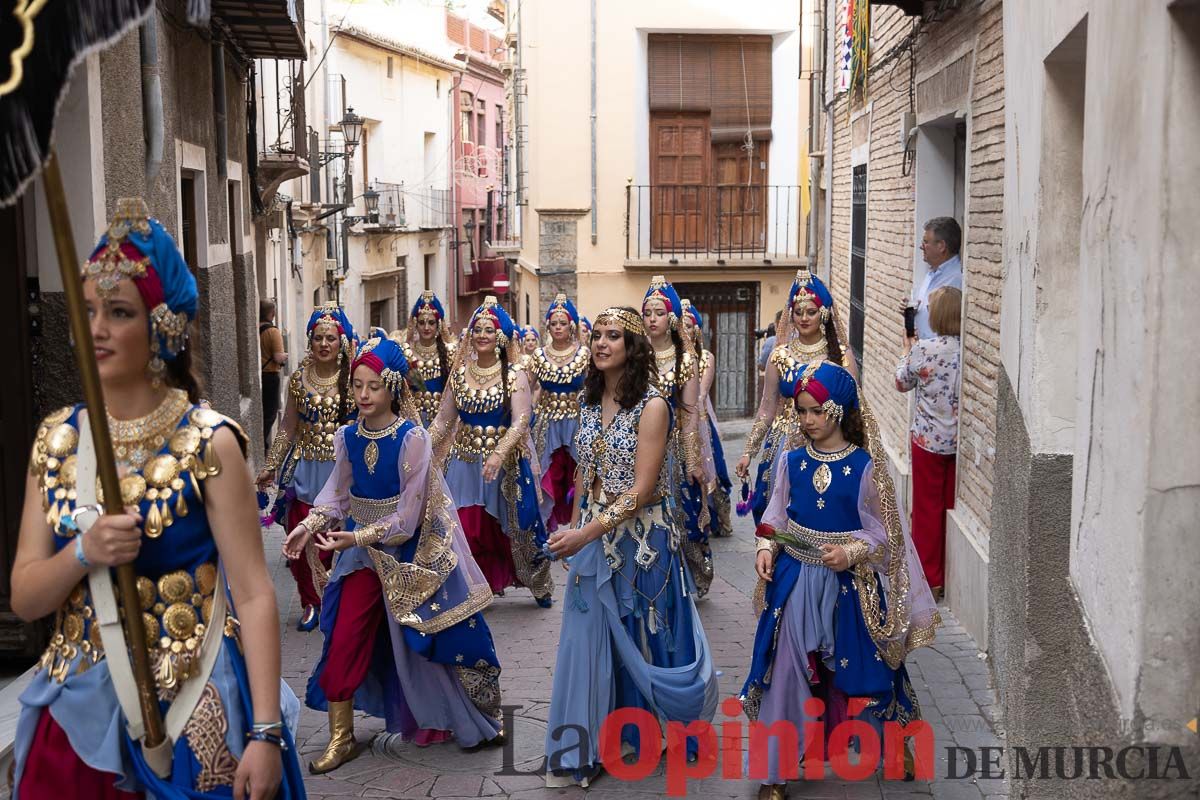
{"x": 269, "y": 738}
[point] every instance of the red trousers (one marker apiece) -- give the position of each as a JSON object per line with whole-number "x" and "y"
{"x": 301, "y": 571}
{"x": 490, "y": 547}
{"x": 53, "y": 770}
{"x": 557, "y": 482}
{"x": 359, "y": 615}
{"x": 932, "y": 496}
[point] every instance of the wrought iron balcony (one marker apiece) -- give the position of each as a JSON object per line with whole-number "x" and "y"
{"x": 719, "y": 223}
{"x": 436, "y": 209}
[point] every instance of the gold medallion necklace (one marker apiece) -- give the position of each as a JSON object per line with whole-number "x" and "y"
{"x": 322, "y": 385}
{"x": 136, "y": 440}
{"x": 807, "y": 352}
{"x": 483, "y": 375}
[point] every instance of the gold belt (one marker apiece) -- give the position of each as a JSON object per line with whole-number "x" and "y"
{"x": 365, "y": 510}
{"x": 814, "y": 538}
{"x": 315, "y": 441}
{"x": 473, "y": 441}
{"x": 175, "y": 612}
{"x": 557, "y": 406}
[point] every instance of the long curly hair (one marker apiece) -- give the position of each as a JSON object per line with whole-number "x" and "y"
{"x": 180, "y": 375}
{"x": 640, "y": 372}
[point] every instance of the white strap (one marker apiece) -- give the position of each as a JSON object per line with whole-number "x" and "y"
{"x": 112, "y": 633}
{"x": 103, "y": 596}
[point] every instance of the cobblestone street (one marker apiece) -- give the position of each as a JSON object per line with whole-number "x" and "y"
{"x": 950, "y": 678}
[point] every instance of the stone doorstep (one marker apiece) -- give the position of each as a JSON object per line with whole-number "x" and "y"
{"x": 10, "y": 712}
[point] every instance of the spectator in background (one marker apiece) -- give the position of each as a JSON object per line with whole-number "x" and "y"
{"x": 768, "y": 344}
{"x": 270, "y": 345}
{"x": 940, "y": 246}
{"x": 931, "y": 367}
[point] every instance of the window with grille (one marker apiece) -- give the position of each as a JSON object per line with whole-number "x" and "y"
{"x": 858, "y": 261}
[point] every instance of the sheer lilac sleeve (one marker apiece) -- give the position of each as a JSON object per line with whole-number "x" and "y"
{"x": 776, "y": 514}
{"x": 768, "y": 407}
{"x": 332, "y": 504}
{"x": 414, "y": 465}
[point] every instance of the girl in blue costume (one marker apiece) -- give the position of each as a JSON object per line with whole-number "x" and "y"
{"x": 430, "y": 351}
{"x": 631, "y": 636}
{"x": 190, "y": 502}
{"x": 679, "y": 381}
{"x": 808, "y": 333}
{"x": 404, "y": 639}
{"x": 559, "y": 368}
{"x": 301, "y": 457}
{"x": 716, "y": 473}
{"x": 493, "y": 469}
{"x": 828, "y": 625}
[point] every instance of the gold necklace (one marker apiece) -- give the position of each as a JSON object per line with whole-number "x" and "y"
{"x": 425, "y": 352}
{"x": 483, "y": 375}
{"x": 561, "y": 355}
{"x": 663, "y": 356}
{"x": 806, "y": 352}
{"x": 136, "y": 440}
{"x": 829, "y": 458}
{"x": 322, "y": 385}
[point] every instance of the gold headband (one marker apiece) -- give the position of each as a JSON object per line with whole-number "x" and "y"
{"x": 626, "y": 320}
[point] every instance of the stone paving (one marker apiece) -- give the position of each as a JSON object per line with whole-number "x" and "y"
{"x": 952, "y": 679}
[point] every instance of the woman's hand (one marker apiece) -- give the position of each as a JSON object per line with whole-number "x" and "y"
{"x": 265, "y": 480}
{"x": 491, "y": 467}
{"x": 835, "y": 557}
{"x": 259, "y": 773}
{"x": 114, "y": 539}
{"x": 566, "y": 543}
{"x": 297, "y": 540}
{"x": 335, "y": 541}
{"x": 743, "y": 467}
{"x": 764, "y": 565}
{"x": 697, "y": 476}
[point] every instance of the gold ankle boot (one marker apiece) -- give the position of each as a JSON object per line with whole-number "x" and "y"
{"x": 772, "y": 791}
{"x": 342, "y": 745}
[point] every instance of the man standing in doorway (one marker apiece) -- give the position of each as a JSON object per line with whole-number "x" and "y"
{"x": 939, "y": 247}
{"x": 270, "y": 345}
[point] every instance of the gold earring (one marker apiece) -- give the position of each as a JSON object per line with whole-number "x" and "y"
{"x": 157, "y": 368}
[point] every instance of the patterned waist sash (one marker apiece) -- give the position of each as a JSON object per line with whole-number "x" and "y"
{"x": 367, "y": 510}
{"x": 815, "y": 539}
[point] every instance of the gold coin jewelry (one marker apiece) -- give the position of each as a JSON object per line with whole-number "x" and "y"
{"x": 807, "y": 352}
{"x": 136, "y": 440}
{"x": 561, "y": 356}
{"x": 425, "y": 352}
{"x": 322, "y": 385}
{"x": 483, "y": 375}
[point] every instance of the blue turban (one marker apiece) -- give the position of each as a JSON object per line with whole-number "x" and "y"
{"x": 831, "y": 386}
{"x": 386, "y": 358}
{"x": 504, "y": 325}
{"x": 810, "y": 287}
{"x": 429, "y": 302}
{"x": 661, "y": 289}
{"x": 560, "y": 303}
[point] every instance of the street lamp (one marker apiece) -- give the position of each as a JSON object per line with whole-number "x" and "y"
{"x": 469, "y": 229}
{"x": 371, "y": 201}
{"x": 352, "y": 125}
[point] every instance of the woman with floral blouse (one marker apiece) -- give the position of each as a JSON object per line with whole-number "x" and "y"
{"x": 931, "y": 367}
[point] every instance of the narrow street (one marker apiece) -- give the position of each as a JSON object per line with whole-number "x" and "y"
{"x": 951, "y": 679}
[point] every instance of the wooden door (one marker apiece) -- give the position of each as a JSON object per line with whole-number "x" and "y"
{"x": 740, "y": 198}
{"x": 679, "y": 168}
{"x": 730, "y": 311}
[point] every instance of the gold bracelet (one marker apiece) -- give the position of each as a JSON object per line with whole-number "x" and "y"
{"x": 275, "y": 454}
{"x": 857, "y": 551}
{"x": 319, "y": 519}
{"x": 754, "y": 439}
{"x": 368, "y": 535}
{"x": 617, "y": 512}
{"x": 512, "y": 437}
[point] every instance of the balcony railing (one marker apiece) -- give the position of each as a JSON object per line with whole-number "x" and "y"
{"x": 436, "y": 209}
{"x": 712, "y": 222}
{"x": 391, "y": 204}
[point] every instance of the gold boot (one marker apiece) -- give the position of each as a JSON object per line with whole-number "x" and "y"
{"x": 342, "y": 745}
{"x": 772, "y": 791}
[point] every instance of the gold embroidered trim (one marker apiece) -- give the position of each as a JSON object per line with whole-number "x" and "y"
{"x": 366, "y": 510}
{"x": 205, "y": 732}
{"x": 754, "y": 439}
{"x": 617, "y": 512}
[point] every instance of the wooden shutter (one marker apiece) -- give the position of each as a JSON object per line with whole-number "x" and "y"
{"x": 679, "y": 73}
{"x": 741, "y": 88}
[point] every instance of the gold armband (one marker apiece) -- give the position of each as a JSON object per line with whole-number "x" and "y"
{"x": 691, "y": 451}
{"x": 513, "y": 437}
{"x": 857, "y": 551}
{"x": 368, "y": 535}
{"x": 754, "y": 439}
{"x": 279, "y": 446}
{"x": 618, "y": 511}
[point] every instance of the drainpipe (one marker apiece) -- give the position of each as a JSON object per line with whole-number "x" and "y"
{"x": 592, "y": 32}
{"x": 222, "y": 132}
{"x": 152, "y": 105}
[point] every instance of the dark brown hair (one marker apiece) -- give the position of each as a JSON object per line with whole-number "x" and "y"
{"x": 181, "y": 376}
{"x": 640, "y": 371}
{"x": 851, "y": 425}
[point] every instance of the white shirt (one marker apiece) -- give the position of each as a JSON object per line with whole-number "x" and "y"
{"x": 948, "y": 274}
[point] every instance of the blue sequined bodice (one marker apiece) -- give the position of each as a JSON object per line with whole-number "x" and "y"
{"x": 825, "y": 488}
{"x": 611, "y": 453}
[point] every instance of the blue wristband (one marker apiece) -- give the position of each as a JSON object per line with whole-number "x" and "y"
{"x": 79, "y": 556}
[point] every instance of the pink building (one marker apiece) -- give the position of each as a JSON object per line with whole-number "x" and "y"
{"x": 479, "y": 166}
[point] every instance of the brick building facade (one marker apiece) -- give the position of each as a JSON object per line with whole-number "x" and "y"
{"x": 926, "y": 140}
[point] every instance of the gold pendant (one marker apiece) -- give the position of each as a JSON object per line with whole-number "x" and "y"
{"x": 822, "y": 477}
{"x": 371, "y": 456}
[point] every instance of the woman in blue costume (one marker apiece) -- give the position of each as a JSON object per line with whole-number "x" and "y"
{"x": 679, "y": 382}
{"x": 559, "y": 368}
{"x": 716, "y": 473}
{"x": 631, "y": 636}
{"x": 844, "y": 599}
{"x": 493, "y": 469}
{"x": 430, "y": 351}
{"x": 190, "y": 502}
{"x": 301, "y": 457}
{"x": 808, "y": 333}
{"x": 404, "y": 636}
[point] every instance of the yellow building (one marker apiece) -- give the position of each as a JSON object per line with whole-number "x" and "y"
{"x": 660, "y": 138}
